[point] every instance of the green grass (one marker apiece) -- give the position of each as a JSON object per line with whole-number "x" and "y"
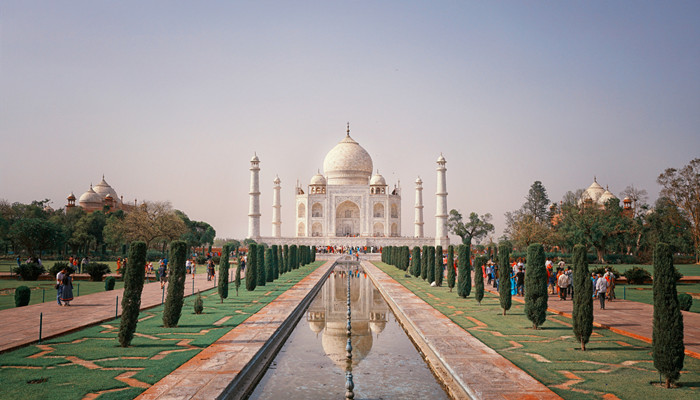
{"x": 613, "y": 363}
{"x": 150, "y": 356}
{"x": 644, "y": 293}
{"x": 45, "y": 290}
{"x": 685, "y": 269}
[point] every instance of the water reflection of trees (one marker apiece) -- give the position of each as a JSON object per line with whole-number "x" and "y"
{"x": 327, "y": 315}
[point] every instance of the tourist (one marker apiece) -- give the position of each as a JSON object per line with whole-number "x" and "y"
{"x": 59, "y": 284}
{"x": 563, "y": 283}
{"x": 570, "y": 276}
{"x": 210, "y": 270}
{"x": 19, "y": 263}
{"x": 552, "y": 276}
{"x": 83, "y": 264}
{"x": 610, "y": 278}
{"x": 601, "y": 286}
{"x": 188, "y": 266}
{"x": 67, "y": 291}
{"x": 520, "y": 282}
{"x": 163, "y": 274}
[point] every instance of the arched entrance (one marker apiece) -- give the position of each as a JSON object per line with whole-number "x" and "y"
{"x": 347, "y": 219}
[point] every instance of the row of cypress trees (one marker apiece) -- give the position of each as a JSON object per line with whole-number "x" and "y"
{"x": 266, "y": 264}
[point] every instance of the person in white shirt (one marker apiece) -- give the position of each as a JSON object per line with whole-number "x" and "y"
{"x": 59, "y": 284}
{"x": 601, "y": 286}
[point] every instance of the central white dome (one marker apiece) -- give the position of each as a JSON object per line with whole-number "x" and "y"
{"x": 348, "y": 164}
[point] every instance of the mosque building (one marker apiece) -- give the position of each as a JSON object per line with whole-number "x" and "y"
{"x": 99, "y": 197}
{"x": 348, "y": 205}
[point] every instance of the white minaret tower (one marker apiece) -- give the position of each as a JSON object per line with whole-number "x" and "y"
{"x": 419, "y": 208}
{"x": 441, "y": 237}
{"x": 254, "y": 208}
{"x": 276, "y": 218}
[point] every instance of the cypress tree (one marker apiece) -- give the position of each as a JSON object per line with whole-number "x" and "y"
{"x": 430, "y": 265}
{"x": 450, "y": 267}
{"x": 302, "y": 255}
{"x": 424, "y": 263}
{"x": 536, "y": 295}
{"x": 292, "y": 257}
{"x": 269, "y": 265}
{"x": 261, "y": 273}
{"x": 223, "y": 272}
{"x": 667, "y": 336}
{"x": 438, "y": 266}
{"x": 463, "y": 256}
{"x": 415, "y": 261}
{"x": 275, "y": 263}
{"x": 238, "y": 277}
{"x": 406, "y": 258}
{"x": 286, "y": 258}
{"x": 176, "y": 284}
{"x": 313, "y": 253}
{"x": 280, "y": 260}
{"x": 504, "y": 276}
{"x": 251, "y": 275}
{"x": 583, "y": 297}
{"x": 134, "y": 274}
{"x": 479, "y": 278}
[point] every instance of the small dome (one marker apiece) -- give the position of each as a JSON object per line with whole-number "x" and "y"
{"x": 255, "y": 158}
{"x": 441, "y": 159}
{"x": 277, "y": 180}
{"x": 90, "y": 197}
{"x": 318, "y": 180}
{"x": 627, "y": 200}
{"x": 348, "y": 163}
{"x": 605, "y": 197}
{"x": 71, "y": 196}
{"x": 377, "y": 180}
{"x": 103, "y": 189}
{"x": 594, "y": 191}
{"x": 419, "y": 181}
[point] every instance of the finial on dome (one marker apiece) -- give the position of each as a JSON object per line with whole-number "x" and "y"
{"x": 348, "y": 131}
{"x": 595, "y": 179}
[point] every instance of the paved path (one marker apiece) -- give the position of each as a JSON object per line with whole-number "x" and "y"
{"x": 208, "y": 374}
{"x": 466, "y": 365}
{"x": 629, "y": 318}
{"x": 20, "y": 326}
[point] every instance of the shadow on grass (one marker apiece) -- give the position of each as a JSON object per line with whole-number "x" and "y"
{"x": 689, "y": 384}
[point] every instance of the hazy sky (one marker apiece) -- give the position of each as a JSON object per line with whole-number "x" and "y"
{"x": 169, "y": 100}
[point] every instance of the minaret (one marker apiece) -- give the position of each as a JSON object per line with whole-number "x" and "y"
{"x": 441, "y": 237}
{"x": 254, "y": 208}
{"x": 419, "y": 208}
{"x": 276, "y": 218}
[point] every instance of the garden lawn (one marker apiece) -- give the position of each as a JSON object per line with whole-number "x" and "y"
{"x": 644, "y": 293}
{"x": 613, "y": 364}
{"x": 90, "y": 361}
{"x": 45, "y": 291}
{"x": 685, "y": 269}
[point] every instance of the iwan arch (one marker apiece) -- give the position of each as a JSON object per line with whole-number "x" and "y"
{"x": 347, "y": 205}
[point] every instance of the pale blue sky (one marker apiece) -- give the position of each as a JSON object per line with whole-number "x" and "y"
{"x": 170, "y": 99}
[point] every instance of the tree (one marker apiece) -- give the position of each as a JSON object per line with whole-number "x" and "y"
{"x": 667, "y": 344}
{"x": 223, "y": 273}
{"x": 504, "y": 293}
{"x": 424, "y": 263}
{"x": 415, "y": 261}
{"x": 197, "y": 233}
{"x": 176, "y": 284}
{"x": 275, "y": 262}
{"x": 293, "y": 257}
{"x": 682, "y": 187}
{"x": 251, "y": 277}
{"x": 280, "y": 260}
{"x": 285, "y": 263}
{"x": 152, "y": 222}
{"x": 638, "y": 196}
{"x": 523, "y": 229}
{"x": 35, "y": 235}
{"x": 536, "y": 295}
{"x": 450, "y": 267}
{"x": 463, "y": 260}
{"x": 438, "y": 266}
{"x": 475, "y": 229}
{"x": 479, "y": 278}
{"x": 537, "y": 202}
{"x": 260, "y": 268}
{"x": 583, "y": 297}
{"x": 133, "y": 286}
{"x": 269, "y": 265}
{"x": 238, "y": 277}
{"x": 431, "y": 264}
{"x": 667, "y": 224}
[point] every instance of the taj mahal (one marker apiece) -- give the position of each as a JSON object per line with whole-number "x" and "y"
{"x": 348, "y": 205}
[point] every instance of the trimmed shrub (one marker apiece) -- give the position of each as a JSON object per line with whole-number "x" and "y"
{"x": 415, "y": 261}
{"x": 439, "y": 270}
{"x": 22, "y": 296}
{"x": 269, "y": 265}
{"x": 97, "y": 271}
{"x": 285, "y": 254}
{"x": 292, "y": 257}
{"x": 280, "y": 260}
{"x": 479, "y": 278}
{"x": 109, "y": 283}
{"x": 176, "y": 284}
{"x": 667, "y": 344}
{"x": 406, "y": 258}
{"x": 58, "y": 266}
{"x": 504, "y": 293}
{"x": 583, "y": 297}
{"x": 313, "y": 253}
{"x": 424, "y": 263}
{"x": 251, "y": 279}
{"x": 224, "y": 265}
{"x": 601, "y": 269}
{"x": 260, "y": 271}
{"x": 134, "y": 275}
{"x": 29, "y": 272}
{"x": 685, "y": 301}
{"x": 430, "y": 265}
{"x": 636, "y": 275}
{"x": 536, "y": 295}
{"x": 463, "y": 260}
{"x": 199, "y": 303}
{"x": 275, "y": 262}
{"x": 450, "y": 267}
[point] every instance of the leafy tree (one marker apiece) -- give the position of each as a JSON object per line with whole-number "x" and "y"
{"x": 438, "y": 266}
{"x": 463, "y": 261}
{"x": 176, "y": 284}
{"x": 479, "y": 278}
{"x": 152, "y": 222}
{"x": 523, "y": 229}
{"x": 638, "y": 197}
{"x": 251, "y": 276}
{"x": 431, "y": 264}
{"x": 133, "y": 286}
{"x": 667, "y": 224}
{"x": 197, "y": 233}
{"x": 537, "y": 202}
{"x": 583, "y": 297}
{"x": 667, "y": 344}
{"x": 223, "y": 273}
{"x": 504, "y": 293}
{"x": 536, "y": 295}
{"x": 269, "y": 265}
{"x": 415, "y": 261}
{"x": 451, "y": 267}
{"x": 682, "y": 188}
{"x": 35, "y": 235}
{"x": 475, "y": 229}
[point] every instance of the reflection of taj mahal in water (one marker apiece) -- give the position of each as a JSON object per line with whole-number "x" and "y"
{"x": 327, "y": 316}
{"x": 348, "y": 206}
